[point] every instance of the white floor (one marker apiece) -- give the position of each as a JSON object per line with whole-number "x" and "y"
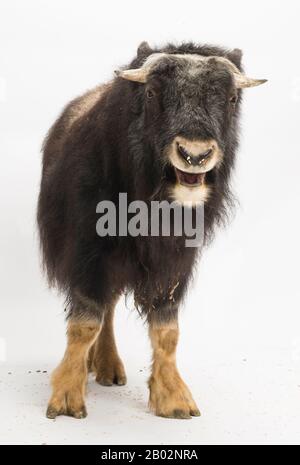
{"x": 242, "y": 402}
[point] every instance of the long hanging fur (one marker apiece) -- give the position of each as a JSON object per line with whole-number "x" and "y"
{"x": 93, "y": 155}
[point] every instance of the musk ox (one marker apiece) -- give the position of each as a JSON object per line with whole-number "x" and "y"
{"x": 165, "y": 128}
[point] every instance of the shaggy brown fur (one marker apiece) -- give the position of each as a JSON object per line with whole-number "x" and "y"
{"x": 118, "y": 139}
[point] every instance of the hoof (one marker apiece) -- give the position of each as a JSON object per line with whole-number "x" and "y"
{"x": 110, "y": 373}
{"x": 110, "y": 381}
{"x": 77, "y": 413}
{"x": 195, "y": 413}
{"x": 180, "y": 414}
{"x": 52, "y": 413}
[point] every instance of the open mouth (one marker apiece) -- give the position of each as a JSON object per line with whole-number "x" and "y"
{"x": 190, "y": 179}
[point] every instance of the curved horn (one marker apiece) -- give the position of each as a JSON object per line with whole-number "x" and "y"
{"x": 140, "y": 74}
{"x": 241, "y": 80}
{"x": 136, "y": 75}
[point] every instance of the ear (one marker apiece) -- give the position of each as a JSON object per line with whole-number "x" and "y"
{"x": 144, "y": 50}
{"x": 235, "y": 56}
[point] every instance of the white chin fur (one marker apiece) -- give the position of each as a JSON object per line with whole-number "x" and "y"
{"x": 190, "y": 195}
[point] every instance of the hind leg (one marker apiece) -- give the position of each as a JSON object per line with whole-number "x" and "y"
{"x": 69, "y": 378}
{"x": 104, "y": 359}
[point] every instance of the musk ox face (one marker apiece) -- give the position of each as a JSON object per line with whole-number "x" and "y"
{"x": 189, "y": 114}
{"x": 189, "y": 109}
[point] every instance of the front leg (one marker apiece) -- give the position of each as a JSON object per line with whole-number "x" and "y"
{"x": 169, "y": 395}
{"x": 70, "y": 377}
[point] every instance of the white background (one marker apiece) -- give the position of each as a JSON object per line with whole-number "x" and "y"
{"x": 240, "y": 341}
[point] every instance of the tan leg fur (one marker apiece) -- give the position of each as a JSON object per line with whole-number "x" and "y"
{"x": 70, "y": 377}
{"x": 104, "y": 359}
{"x": 169, "y": 395}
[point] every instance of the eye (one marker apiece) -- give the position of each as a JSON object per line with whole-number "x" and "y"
{"x": 233, "y": 100}
{"x": 150, "y": 93}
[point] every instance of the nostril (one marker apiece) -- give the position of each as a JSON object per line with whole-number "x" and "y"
{"x": 193, "y": 159}
{"x": 184, "y": 153}
{"x": 204, "y": 155}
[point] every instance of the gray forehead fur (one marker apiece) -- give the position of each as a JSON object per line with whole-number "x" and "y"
{"x": 189, "y": 65}
{"x": 189, "y": 61}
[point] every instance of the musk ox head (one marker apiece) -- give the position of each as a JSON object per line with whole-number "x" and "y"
{"x": 189, "y": 117}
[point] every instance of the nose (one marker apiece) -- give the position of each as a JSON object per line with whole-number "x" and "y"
{"x": 193, "y": 155}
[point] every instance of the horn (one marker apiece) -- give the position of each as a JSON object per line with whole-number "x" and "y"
{"x": 140, "y": 74}
{"x": 241, "y": 80}
{"x": 136, "y": 75}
